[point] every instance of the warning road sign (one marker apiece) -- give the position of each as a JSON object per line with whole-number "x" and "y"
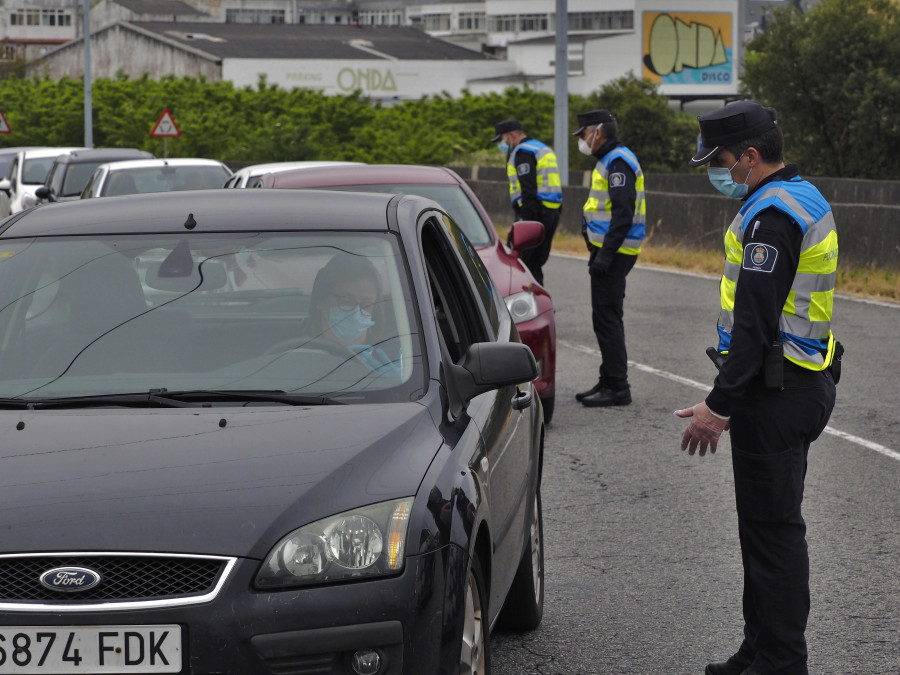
{"x": 4, "y": 125}
{"x": 165, "y": 125}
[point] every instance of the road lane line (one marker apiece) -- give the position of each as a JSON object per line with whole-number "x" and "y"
{"x": 887, "y": 452}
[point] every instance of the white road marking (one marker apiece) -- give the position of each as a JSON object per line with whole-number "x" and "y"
{"x": 887, "y": 452}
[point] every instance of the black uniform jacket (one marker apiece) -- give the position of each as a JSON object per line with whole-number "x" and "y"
{"x": 622, "y": 194}
{"x": 759, "y": 299}
{"x": 530, "y": 206}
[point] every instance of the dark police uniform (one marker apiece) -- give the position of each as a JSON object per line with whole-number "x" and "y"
{"x": 535, "y": 191}
{"x": 776, "y": 383}
{"x": 613, "y": 227}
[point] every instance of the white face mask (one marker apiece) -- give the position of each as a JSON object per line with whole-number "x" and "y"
{"x": 584, "y": 147}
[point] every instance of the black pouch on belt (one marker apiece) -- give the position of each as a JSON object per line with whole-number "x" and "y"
{"x": 835, "y": 366}
{"x": 773, "y": 368}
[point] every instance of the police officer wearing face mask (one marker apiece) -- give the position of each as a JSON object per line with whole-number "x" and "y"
{"x": 613, "y": 227}
{"x": 535, "y": 189}
{"x": 778, "y": 364}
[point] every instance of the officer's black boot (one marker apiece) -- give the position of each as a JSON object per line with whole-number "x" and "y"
{"x": 593, "y": 390}
{"x": 736, "y": 665}
{"x": 607, "y": 397}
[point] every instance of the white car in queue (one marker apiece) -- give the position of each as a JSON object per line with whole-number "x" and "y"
{"x": 141, "y": 176}
{"x": 26, "y": 173}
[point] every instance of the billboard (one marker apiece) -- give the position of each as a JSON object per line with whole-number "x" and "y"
{"x": 689, "y": 48}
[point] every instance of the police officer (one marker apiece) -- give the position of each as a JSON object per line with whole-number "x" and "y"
{"x": 778, "y": 363}
{"x": 535, "y": 189}
{"x": 613, "y": 227}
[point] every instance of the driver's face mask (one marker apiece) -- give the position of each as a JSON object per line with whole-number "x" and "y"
{"x": 349, "y": 323}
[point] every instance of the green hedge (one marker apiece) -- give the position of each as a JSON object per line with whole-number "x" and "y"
{"x": 268, "y": 124}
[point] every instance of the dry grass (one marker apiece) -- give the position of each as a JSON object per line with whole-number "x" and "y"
{"x": 869, "y": 282}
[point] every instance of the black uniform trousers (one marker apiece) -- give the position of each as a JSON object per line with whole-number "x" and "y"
{"x": 607, "y": 311}
{"x": 535, "y": 258}
{"x": 771, "y": 432}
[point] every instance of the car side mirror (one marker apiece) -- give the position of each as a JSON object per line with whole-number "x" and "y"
{"x": 491, "y": 365}
{"x": 43, "y": 192}
{"x": 525, "y": 234}
{"x": 5, "y": 185}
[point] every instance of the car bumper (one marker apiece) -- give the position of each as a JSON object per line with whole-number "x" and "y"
{"x": 414, "y": 622}
{"x": 540, "y": 335}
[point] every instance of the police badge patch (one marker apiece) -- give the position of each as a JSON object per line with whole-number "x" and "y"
{"x": 616, "y": 179}
{"x": 523, "y": 169}
{"x": 759, "y": 258}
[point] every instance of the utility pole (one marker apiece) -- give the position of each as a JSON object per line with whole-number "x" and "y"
{"x": 561, "y": 107}
{"x": 88, "y": 104}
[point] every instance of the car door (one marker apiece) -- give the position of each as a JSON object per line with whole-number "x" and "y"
{"x": 466, "y": 306}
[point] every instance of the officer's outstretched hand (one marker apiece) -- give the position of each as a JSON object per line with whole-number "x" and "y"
{"x": 704, "y": 429}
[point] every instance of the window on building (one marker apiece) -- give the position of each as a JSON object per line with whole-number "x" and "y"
{"x": 254, "y": 16}
{"x": 529, "y": 23}
{"x": 436, "y": 22}
{"x": 502, "y": 23}
{"x": 589, "y": 21}
{"x": 471, "y": 21}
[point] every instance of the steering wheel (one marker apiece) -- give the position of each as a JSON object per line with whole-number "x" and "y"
{"x": 314, "y": 344}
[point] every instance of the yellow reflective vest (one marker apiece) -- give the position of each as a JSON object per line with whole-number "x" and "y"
{"x": 805, "y": 322}
{"x": 597, "y": 219}
{"x": 549, "y": 185}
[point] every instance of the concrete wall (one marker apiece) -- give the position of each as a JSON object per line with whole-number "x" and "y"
{"x": 685, "y": 210}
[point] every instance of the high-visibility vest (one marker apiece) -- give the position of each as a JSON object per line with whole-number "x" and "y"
{"x": 805, "y": 323}
{"x": 549, "y": 185}
{"x": 597, "y": 219}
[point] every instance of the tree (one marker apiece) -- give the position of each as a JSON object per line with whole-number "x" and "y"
{"x": 833, "y": 77}
{"x": 662, "y": 138}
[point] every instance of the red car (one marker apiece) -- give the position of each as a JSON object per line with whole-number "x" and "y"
{"x": 529, "y": 303}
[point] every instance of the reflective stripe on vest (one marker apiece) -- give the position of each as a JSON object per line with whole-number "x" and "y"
{"x": 549, "y": 185}
{"x": 805, "y": 323}
{"x": 597, "y": 221}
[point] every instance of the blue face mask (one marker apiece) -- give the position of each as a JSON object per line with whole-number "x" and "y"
{"x": 503, "y": 147}
{"x": 721, "y": 179}
{"x": 349, "y": 323}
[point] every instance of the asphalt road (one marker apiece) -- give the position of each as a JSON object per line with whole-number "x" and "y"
{"x": 643, "y": 571}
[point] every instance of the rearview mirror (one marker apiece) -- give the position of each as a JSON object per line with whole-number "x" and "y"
{"x": 491, "y": 365}
{"x": 526, "y": 234}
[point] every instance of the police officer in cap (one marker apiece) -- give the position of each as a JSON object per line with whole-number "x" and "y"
{"x": 535, "y": 189}
{"x": 613, "y": 227}
{"x": 778, "y": 363}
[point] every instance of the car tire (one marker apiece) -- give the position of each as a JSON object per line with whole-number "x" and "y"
{"x": 548, "y": 404}
{"x": 524, "y": 605}
{"x": 475, "y": 654}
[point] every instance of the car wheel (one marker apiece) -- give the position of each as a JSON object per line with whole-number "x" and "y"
{"x": 547, "y": 404}
{"x": 524, "y": 605}
{"x": 475, "y": 658}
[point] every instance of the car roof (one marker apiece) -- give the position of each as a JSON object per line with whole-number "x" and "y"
{"x": 215, "y": 210}
{"x": 364, "y": 174}
{"x": 21, "y": 148}
{"x": 272, "y": 167}
{"x": 48, "y": 152}
{"x": 103, "y": 154}
{"x": 153, "y": 163}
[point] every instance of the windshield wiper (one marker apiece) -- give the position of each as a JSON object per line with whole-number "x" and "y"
{"x": 216, "y": 395}
{"x": 160, "y": 398}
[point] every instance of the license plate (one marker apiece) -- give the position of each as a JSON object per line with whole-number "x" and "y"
{"x": 90, "y": 649}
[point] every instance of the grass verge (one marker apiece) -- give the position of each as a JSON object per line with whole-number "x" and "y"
{"x": 874, "y": 283}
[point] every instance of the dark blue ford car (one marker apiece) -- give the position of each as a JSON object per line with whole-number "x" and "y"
{"x": 286, "y": 432}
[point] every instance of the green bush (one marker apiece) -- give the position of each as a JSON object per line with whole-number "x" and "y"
{"x": 269, "y": 124}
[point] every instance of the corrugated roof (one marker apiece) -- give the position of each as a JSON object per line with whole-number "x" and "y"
{"x": 160, "y": 7}
{"x": 310, "y": 41}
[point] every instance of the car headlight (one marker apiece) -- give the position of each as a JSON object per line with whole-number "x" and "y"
{"x": 522, "y": 306}
{"x": 365, "y": 542}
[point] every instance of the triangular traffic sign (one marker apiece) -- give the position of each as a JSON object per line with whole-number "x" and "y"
{"x": 165, "y": 125}
{"x": 4, "y": 125}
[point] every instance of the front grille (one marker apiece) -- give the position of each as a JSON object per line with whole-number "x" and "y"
{"x": 126, "y": 578}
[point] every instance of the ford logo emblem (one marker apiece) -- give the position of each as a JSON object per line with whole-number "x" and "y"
{"x": 69, "y": 579}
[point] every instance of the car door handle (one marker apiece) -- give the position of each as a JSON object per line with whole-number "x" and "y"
{"x": 522, "y": 399}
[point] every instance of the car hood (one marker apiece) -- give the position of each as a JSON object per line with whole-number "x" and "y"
{"x": 220, "y": 481}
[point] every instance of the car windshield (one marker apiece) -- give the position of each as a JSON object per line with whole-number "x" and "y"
{"x": 35, "y": 170}
{"x": 164, "y": 179}
{"x": 452, "y": 197}
{"x": 307, "y": 314}
{"x": 77, "y": 177}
